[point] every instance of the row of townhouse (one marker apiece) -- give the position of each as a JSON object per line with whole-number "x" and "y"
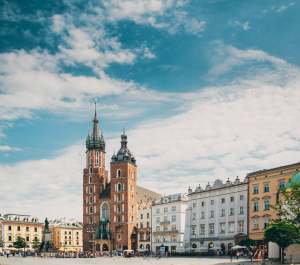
{"x": 218, "y": 215}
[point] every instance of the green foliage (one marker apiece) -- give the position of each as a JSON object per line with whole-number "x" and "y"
{"x": 282, "y": 233}
{"x": 288, "y": 206}
{"x": 36, "y": 243}
{"x": 20, "y": 243}
{"x": 247, "y": 242}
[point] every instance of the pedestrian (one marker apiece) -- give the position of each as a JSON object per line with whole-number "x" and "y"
{"x": 7, "y": 253}
{"x": 231, "y": 256}
{"x": 237, "y": 255}
{"x": 251, "y": 255}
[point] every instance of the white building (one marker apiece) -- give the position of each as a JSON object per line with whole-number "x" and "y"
{"x": 168, "y": 222}
{"x": 217, "y": 216}
{"x": 144, "y": 224}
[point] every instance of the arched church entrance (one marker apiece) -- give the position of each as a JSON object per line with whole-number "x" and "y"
{"x": 105, "y": 247}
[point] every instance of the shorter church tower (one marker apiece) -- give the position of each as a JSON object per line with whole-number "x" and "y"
{"x": 95, "y": 180}
{"x": 123, "y": 208}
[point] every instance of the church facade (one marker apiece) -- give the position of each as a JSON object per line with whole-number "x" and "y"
{"x": 110, "y": 207}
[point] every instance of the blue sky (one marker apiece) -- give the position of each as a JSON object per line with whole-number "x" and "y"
{"x": 206, "y": 89}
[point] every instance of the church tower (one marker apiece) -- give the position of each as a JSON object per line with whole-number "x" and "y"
{"x": 95, "y": 180}
{"x": 123, "y": 206}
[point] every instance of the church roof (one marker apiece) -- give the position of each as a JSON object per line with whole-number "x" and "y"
{"x": 295, "y": 179}
{"x": 143, "y": 194}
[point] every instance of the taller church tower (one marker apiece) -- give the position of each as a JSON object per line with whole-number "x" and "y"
{"x": 95, "y": 180}
{"x": 123, "y": 207}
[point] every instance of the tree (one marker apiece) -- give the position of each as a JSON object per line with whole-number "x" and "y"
{"x": 36, "y": 243}
{"x": 283, "y": 234}
{"x": 288, "y": 206}
{"x": 247, "y": 242}
{"x": 20, "y": 243}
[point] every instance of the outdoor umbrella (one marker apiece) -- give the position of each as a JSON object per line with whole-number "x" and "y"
{"x": 201, "y": 249}
{"x": 238, "y": 247}
{"x": 215, "y": 248}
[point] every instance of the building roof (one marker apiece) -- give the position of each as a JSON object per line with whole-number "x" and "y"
{"x": 66, "y": 225}
{"x": 295, "y": 179}
{"x": 143, "y": 194}
{"x": 272, "y": 169}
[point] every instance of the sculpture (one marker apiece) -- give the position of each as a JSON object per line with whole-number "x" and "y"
{"x": 46, "y": 224}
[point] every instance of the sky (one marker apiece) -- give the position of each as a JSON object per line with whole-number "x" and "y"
{"x": 205, "y": 89}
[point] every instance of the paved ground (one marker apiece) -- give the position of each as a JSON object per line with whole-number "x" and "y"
{"x": 119, "y": 260}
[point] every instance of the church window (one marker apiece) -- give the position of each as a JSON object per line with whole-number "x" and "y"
{"x": 119, "y": 187}
{"x": 91, "y": 157}
{"x": 119, "y": 197}
{"x": 91, "y": 220}
{"x": 105, "y": 211}
{"x": 91, "y": 189}
{"x": 97, "y": 160}
{"x": 119, "y": 209}
{"x": 91, "y": 209}
{"x": 118, "y": 173}
{"x": 119, "y": 219}
{"x": 91, "y": 179}
{"x": 132, "y": 174}
{"x": 91, "y": 199}
{"x": 97, "y": 154}
{"x": 91, "y": 170}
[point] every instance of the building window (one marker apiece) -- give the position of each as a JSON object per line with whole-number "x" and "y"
{"x": 202, "y": 215}
{"x": 222, "y": 212}
{"x": 241, "y": 197}
{"x": 158, "y": 239}
{"x": 211, "y": 228}
{"x": 281, "y": 184}
{"x": 231, "y": 211}
{"x": 91, "y": 170}
{"x": 35, "y": 229}
{"x": 202, "y": 203}
{"x": 165, "y": 228}
{"x": 148, "y": 224}
{"x": 194, "y": 216}
{"x": 232, "y": 199}
{"x": 105, "y": 211}
{"x": 173, "y": 227}
{"x": 27, "y": 238}
{"x": 91, "y": 189}
{"x": 266, "y": 205}
{"x": 27, "y": 229}
{"x": 241, "y": 210}
{"x": 202, "y": 229}
{"x": 9, "y": 238}
{"x": 266, "y": 188}
{"x": 194, "y": 205}
{"x": 222, "y": 228}
{"x": 241, "y": 226}
{"x": 157, "y": 220}
{"x": 193, "y": 230}
{"x": 255, "y": 207}
{"x": 212, "y": 214}
{"x": 231, "y": 227}
{"x": 223, "y": 200}
{"x": 18, "y": 228}
{"x": 91, "y": 199}
{"x": 157, "y": 228}
{"x": 157, "y": 211}
{"x": 255, "y": 189}
{"x": 119, "y": 197}
{"x": 165, "y": 218}
{"x": 165, "y": 210}
{"x": 173, "y": 218}
{"x": 91, "y": 179}
{"x": 255, "y": 224}
{"x": 266, "y": 222}
{"x": 173, "y": 208}
{"x": 165, "y": 238}
{"x": 118, "y": 173}
{"x": 9, "y": 228}
{"x": 141, "y": 216}
{"x": 142, "y": 225}
{"x": 148, "y": 215}
{"x": 212, "y": 202}
{"x": 174, "y": 238}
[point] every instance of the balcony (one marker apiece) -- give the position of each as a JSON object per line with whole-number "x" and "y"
{"x": 165, "y": 232}
{"x": 165, "y": 223}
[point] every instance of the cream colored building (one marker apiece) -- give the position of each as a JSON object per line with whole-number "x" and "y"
{"x": 144, "y": 224}
{"x": 66, "y": 234}
{"x": 1, "y": 231}
{"x": 20, "y": 225}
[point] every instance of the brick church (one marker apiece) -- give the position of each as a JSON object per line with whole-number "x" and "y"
{"x": 110, "y": 209}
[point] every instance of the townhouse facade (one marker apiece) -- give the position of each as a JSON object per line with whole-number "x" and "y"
{"x": 217, "y": 215}
{"x": 168, "y": 222}
{"x": 19, "y": 225}
{"x": 144, "y": 224}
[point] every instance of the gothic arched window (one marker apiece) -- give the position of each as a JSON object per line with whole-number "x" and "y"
{"x": 91, "y": 199}
{"x": 119, "y": 173}
{"x": 105, "y": 211}
{"x": 119, "y": 187}
{"x": 91, "y": 179}
{"x": 91, "y": 189}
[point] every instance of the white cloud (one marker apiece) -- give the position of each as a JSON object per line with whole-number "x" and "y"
{"x": 245, "y": 25}
{"x": 220, "y": 132}
{"x": 8, "y": 148}
{"x": 281, "y": 8}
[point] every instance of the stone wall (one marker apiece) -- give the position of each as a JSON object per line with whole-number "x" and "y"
{"x": 293, "y": 250}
